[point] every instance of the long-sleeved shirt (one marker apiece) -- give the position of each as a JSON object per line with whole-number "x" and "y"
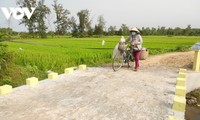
{"x": 137, "y": 39}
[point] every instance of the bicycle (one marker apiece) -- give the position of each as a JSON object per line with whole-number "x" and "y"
{"x": 125, "y": 57}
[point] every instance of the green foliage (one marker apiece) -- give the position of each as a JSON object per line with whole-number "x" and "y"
{"x": 37, "y": 56}
{"x": 26, "y": 35}
{"x": 124, "y": 30}
{"x": 29, "y": 23}
{"x": 62, "y": 20}
{"x": 6, "y": 33}
{"x": 41, "y": 12}
{"x": 188, "y": 31}
{"x": 56, "y": 54}
{"x": 33, "y": 70}
{"x": 111, "y": 30}
{"x": 99, "y": 28}
{"x": 4, "y": 56}
{"x": 36, "y": 25}
{"x": 182, "y": 48}
{"x": 84, "y": 23}
{"x": 6, "y": 80}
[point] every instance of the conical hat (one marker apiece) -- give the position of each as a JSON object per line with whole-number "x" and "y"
{"x": 134, "y": 29}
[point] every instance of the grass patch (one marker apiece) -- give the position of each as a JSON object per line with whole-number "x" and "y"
{"x": 34, "y": 57}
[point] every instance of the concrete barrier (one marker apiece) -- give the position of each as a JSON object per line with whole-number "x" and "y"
{"x": 52, "y": 76}
{"x": 180, "y": 90}
{"x": 181, "y": 75}
{"x": 82, "y": 67}
{"x": 174, "y": 118}
{"x": 181, "y": 81}
{"x": 32, "y": 81}
{"x": 69, "y": 70}
{"x": 5, "y": 89}
{"x": 179, "y": 103}
{"x": 183, "y": 70}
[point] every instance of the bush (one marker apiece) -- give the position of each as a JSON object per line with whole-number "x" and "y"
{"x": 5, "y": 57}
{"x": 182, "y": 48}
{"x": 26, "y": 35}
{"x": 6, "y": 80}
{"x": 3, "y": 53}
{"x": 2, "y": 37}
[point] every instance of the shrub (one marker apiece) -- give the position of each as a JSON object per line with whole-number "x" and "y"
{"x": 182, "y": 48}
{"x": 5, "y": 57}
{"x": 6, "y": 80}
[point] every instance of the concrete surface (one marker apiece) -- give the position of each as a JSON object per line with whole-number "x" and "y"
{"x": 192, "y": 81}
{"x": 101, "y": 94}
{"x": 94, "y": 94}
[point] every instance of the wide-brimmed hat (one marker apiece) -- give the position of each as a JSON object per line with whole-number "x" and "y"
{"x": 134, "y": 29}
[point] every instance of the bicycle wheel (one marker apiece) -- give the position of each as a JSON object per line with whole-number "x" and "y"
{"x": 117, "y": 62}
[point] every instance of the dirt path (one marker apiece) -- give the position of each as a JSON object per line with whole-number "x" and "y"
{"x": 174, "y": 60}
{"x": 101, "y": 94}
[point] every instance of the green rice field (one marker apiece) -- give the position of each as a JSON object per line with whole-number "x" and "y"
{"x": 34, "y": 57}
{"x": 58, "y": 53}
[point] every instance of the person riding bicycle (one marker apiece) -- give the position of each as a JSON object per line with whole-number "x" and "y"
{"x": 135, "y": 40}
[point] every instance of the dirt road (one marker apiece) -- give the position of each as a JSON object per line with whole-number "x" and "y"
{"x": 101, "y": 94}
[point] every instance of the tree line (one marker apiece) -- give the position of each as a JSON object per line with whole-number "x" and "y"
{"x": 81, "y": 27}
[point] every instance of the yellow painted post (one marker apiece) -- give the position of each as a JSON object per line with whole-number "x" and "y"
{"x": 180, "y": 90}
{"x": 5, "y": 89}
{"x": 181, "y": 75}
{"x": 52, "y": 76}
{"x": 180, "y": 82}
{"x": 32, "y": 81}
{"x": 69, "y": 70}
{"x": 183, "y": 70}
{"x": 196, "y": 64}
{"x": 173, "y": 118}
{"x": 179, "y": 103}
{"x": 82, "y": 67}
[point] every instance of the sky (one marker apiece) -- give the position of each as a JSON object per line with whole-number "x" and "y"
{"x": 133, "y": 13}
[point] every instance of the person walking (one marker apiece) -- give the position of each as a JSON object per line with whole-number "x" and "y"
{"x": 135, "y": 40}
